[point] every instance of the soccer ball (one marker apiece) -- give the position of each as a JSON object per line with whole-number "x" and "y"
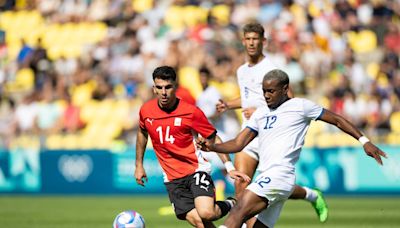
{"x": 129, "y": 219}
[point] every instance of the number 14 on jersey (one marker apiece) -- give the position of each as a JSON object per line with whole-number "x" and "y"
{"x": 165, "y": 136}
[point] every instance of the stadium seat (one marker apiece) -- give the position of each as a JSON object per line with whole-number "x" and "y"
{"x": 173, "y": 18}
{"x": 24, "y": 81}
{"x": 363, "y": 41}
{"x": 189, "y": 78}
{"x": 141, "y": 6}
{"x": 54, "y": 142}
{"x": 221, "y": 13}
{"x": 393, "y": 138}
{"x": 395, "y": 122}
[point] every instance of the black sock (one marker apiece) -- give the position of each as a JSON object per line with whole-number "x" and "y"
{"x": 224, "y": 206}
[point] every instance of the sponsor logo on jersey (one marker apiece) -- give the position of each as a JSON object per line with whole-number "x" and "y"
{"x": 178, "y": 121}
{"x": 150, "y": 121}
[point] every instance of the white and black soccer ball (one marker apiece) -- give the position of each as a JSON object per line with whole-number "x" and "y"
{"x": 129, "y": 219}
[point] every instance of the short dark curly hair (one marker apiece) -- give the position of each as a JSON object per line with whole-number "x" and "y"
{"x": 254, "y": 27}
{"x": 164, "y": 73}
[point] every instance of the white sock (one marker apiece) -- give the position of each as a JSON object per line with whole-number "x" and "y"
{"x": 222, "y": 226}
{"x": 311, "y": 195}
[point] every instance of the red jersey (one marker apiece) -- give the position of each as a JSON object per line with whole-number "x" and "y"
{"x": 172, "y": 137}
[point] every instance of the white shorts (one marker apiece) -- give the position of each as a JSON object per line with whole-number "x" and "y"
{"x": 252, "y": 149}
{"x": 276, "y": 188}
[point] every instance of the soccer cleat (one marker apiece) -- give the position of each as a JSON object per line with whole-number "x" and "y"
{"x": 320, "y": 206}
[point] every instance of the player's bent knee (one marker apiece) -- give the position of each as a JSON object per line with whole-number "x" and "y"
{"x": 207, "y": 215}
{"x": 193, "y": 218}
{"x": 239, "y": 187}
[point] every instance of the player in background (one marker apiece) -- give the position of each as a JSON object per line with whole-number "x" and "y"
{"x": 281, "y": 128}
{"x": 249, "y": 76}
{"x": 226, "y": 125}
{"x": 170, "y": 123}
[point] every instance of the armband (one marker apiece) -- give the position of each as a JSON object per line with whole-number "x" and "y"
{"x": 363, "y": 139}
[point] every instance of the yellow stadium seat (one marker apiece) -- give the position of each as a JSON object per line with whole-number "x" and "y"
{"x": 24, "y": 81}
{"x": 54, "y": 142}
{"x": 393, "y": 138}
{"x": 89, "y": 110}
{"x": 373, "y": 70}
{"x": 324, "y": 140}
{"x": 173, "y": 18}
{"x": 309, "y": 140}
{"x": 121, "y": 110}
{"x": 98, "y": 31}
{"x": 228, "y": 90}
{"x": 111, "y": 130}
{"x": 395, "y": 122}
{"x": 193, "y": 15}
{"x": 82, "y": 94}
{"x": 6, "y": 19}
{"x": 141, "y": 6}
{"x": 92, "y": 129}
{"x": 105, "y": 111}
{"x": 363, "y": 41}
{"x": 221, "y": 13}
{"x": 189, "y": 78}
{"x": 70, "y": 141}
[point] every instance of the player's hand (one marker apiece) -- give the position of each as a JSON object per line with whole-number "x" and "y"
{"x": 140, "y": 175}
{"x": 237, "y": 175}
{"x": 247, "y": 112}
{"x": 221, "y": 106}
{"x": 203, "y": 144}
{"x": 373, "y": 151}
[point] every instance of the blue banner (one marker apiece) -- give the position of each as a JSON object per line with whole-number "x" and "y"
{"x": 348, "y": 170}
{"x": 344, "y": 170}
{"x": 20, "y": 170}
{"x": 76, "y": 171}
{"x": 124, "y": 169}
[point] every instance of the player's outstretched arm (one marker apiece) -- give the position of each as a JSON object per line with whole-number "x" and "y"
{"x": 347, "y": 127}
{"x": 230, "y": 168}
{"x": 232, "y": 146}
{"x": 222, "y": 106}
{"x": 141, "y": 143}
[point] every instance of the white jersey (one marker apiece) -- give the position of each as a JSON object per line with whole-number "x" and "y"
{"x": 250, "y": 83}
{"x": 281, "y": 133}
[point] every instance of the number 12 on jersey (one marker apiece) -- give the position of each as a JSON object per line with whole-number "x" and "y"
{"x": 270, "y": 121}
{"x": 168, "y": 137}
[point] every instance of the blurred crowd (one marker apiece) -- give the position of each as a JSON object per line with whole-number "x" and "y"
{"x": 74, "y": 73}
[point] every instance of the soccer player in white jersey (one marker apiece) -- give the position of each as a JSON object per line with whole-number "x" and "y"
{"x": 250, "y": 76}
{"x": 281, "y": 127}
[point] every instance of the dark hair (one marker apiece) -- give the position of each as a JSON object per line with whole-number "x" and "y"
{"x": 164, "y": 73}
{"x": 205, "y": 70}
{"x": 279, "y": 75}
{"x": 254, "y": 27}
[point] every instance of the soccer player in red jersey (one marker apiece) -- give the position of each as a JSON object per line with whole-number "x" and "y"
{"x": 171, "y": 124}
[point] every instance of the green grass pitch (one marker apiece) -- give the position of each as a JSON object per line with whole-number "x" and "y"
{"x": 99, "y": 211}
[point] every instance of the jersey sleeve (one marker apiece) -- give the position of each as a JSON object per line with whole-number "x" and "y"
{"x": 252, "y": 123}
{"x": 312, "y": 110}
{"x": 141, "y": 119}
{"x": 201, "y": 124}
